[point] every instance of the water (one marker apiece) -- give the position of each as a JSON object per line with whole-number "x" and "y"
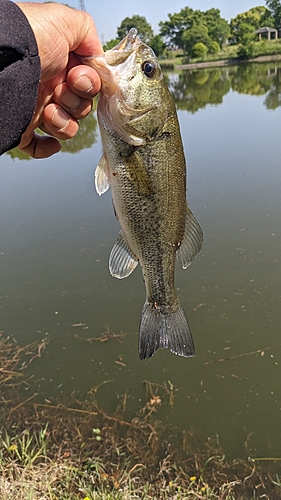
{"x": 56, "y": 235}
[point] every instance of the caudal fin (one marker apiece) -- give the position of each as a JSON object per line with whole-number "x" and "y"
{"x": 166, "y": 330}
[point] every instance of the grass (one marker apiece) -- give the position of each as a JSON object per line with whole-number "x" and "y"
{"x": 74, "y": 450}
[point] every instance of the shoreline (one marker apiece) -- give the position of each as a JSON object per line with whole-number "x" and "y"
{"x": 229, "y": 62}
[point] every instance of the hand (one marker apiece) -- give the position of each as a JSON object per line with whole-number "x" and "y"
{"x": 66, "y": 87}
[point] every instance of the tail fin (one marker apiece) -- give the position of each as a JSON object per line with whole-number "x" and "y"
{"x": 166, "y": 330}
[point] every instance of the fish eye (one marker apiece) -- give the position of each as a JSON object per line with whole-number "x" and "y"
{"x": 148, "y": 68}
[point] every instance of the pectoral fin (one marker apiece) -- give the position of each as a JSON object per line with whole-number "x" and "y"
{"x": 121, "y": 260}
{"x": 101, "y": 176}
{"x": 192, "y": 240}
{"x": 138, "y": 174}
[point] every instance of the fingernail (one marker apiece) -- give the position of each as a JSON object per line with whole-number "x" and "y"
{"x": 83, "y": 84}
{"x": 59, "y": 119}
{"x": 70, "y": 100}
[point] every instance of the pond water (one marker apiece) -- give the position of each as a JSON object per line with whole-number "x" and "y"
{"x": 56, "y": 234}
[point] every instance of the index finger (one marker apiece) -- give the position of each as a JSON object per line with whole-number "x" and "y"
{"x": 82, "y": 80}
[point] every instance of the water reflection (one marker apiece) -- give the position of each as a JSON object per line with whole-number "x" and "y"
{"x": 87, "y": 134}
{"x": 86, "y": 137}
{"x": 56, "y": 235}
{"x": 194, "y": 89}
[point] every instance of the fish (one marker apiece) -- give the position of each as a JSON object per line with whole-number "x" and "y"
{"x": 143, "y": 163}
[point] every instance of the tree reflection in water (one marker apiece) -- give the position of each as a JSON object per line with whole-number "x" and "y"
{"x": 193, "y": 90}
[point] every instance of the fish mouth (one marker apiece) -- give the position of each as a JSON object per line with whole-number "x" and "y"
{"x": 127, "y": 43}
{"x": 110, "y": 67}
{"x": 105, "y": 64}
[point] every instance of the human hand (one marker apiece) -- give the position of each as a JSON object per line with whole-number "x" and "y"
{"x": 66, "y": 87}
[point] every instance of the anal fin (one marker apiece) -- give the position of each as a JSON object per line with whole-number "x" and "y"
{"x": 192, "y": 240}
{"x": 121, "y": 260}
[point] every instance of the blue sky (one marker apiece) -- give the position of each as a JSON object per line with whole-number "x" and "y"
{"x": 109, "y": 14}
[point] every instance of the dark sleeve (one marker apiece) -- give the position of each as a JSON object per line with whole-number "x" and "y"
{"x": 19, "y": 74}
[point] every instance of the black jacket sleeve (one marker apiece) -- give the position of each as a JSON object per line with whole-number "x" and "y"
{"x": 19, "y": 74}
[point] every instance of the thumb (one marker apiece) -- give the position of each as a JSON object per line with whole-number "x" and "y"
{"x": 41, "y": 146}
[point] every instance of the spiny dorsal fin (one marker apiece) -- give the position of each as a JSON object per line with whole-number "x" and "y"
{"x": 192, "y": 240}
{"x": 121, "y": 260}
{"x": 101, "y": 176}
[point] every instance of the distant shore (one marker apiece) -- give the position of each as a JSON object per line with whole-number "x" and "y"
{"x": 229, "y": 62}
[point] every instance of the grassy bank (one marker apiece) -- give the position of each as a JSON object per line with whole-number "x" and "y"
{"x": 265, "y": 48}
{"x": 75, "y": 450}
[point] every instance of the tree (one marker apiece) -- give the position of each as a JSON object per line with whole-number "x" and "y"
{"x": 140, "y": 23}
{"x": 188, "y": 27}
{"x": 255, "y": 17}
{"x": 246, "y": 39}
{"x": 274, "y": 7}
{"x": 178, "y": 23}
{"x": 196, "y": 34}
{"x": 157, "y": 45}
{"x": 218, "y": 28}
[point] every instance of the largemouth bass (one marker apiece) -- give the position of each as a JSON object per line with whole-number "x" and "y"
{"x": 144, "y": 164}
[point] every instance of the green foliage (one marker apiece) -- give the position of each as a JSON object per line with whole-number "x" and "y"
{"x": 112, "y": 43}
{"x": 256, "y": 17}
{"x": 140, "y": 23}
{"x": 274, "y": 6}
{"x": 189, "y": 27}
{"x": 214, "y": 48}
{"x": 246, "y": 51}
{"x": 246, "y": 48}
{"x": 199, "y": 50}
{"x": 26, "y": 448}
{"x": 157, "y": 45}
{"x": 218, "y": 28}
{"x": 173, "y": 29}
{"x": 197, "y": 34}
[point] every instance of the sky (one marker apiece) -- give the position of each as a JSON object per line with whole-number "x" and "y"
{"x": 108, "y": 14}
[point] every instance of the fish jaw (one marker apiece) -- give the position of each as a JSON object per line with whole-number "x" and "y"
{"x": 110, "y": 65}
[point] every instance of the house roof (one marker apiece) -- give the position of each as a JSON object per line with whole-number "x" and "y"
{"x": 265, "y": 29}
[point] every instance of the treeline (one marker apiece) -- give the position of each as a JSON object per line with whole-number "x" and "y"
{"x": 197, "y": 33}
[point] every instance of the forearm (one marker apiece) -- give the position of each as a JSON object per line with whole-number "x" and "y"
{"x": 19, "y": 74}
